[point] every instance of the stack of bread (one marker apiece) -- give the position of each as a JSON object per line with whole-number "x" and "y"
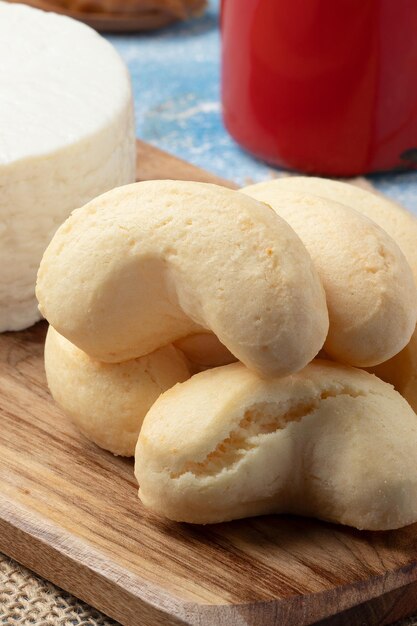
{"x": 185, "y": 322}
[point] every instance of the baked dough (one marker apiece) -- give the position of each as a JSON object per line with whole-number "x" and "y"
{"x": 108, "y": 401}
{"x": 331, "y": 442}
{"x": 147, "y": 264}
{"x": 370, "y": 290}
{"x": 401, "y": 225}
{"x": 204, "y": 350}
{"x": 67, "y": 135}
{"x": 393, "y": 218}
{"x": 401, "y": 371}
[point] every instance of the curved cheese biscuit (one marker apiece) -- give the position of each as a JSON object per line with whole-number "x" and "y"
{"x": 370, "y": 290}
{"x": 401, "y": 370}
{"x": 108, "y": 401}
{"x": 148, "y": 264}
{"x": 394, "y": 219}
{"x": 331, "y": 442}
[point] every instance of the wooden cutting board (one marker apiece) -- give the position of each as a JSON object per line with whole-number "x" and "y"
{"x": 69, "y": 511}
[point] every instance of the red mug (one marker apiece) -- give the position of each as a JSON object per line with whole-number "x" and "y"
{"x": 322, "y": 86}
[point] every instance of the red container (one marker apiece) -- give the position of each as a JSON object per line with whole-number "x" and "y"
{"x": 322, "y": 86}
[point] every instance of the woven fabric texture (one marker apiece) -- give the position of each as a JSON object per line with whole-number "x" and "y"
{"x": 27, "y": 600}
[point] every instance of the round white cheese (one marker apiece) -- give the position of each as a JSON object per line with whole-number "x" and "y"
{"x": 66, "y": 136}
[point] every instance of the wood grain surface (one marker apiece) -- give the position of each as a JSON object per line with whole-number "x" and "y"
{"x": 70, "y": 512}
{"x": 153, "y": 163}
{"x": 122, "y": 17}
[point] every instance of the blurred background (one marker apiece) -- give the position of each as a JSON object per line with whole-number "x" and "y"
{"x": 176, "y": 80}
{"x": 333, "y": 82}
{"x": 176, "y": 83}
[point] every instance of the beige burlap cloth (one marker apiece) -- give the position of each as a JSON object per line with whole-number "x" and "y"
{"x": 27, "y": 600}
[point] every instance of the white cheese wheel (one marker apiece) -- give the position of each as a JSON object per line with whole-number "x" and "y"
{"x": 66, "y": 136}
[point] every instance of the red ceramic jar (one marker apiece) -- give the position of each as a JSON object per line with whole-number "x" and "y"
{"x": 322, "y": 86}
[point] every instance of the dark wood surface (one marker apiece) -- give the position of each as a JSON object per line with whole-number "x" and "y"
{"x": 106, "y": 16}
{"x": 70, "y": 512}
{"x": 153, "y": 163}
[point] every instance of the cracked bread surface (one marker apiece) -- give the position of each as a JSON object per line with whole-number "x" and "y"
{"x": 331, "y": 441}
{"x": 370, "y": 290}
{"x": 108, "y": 401}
